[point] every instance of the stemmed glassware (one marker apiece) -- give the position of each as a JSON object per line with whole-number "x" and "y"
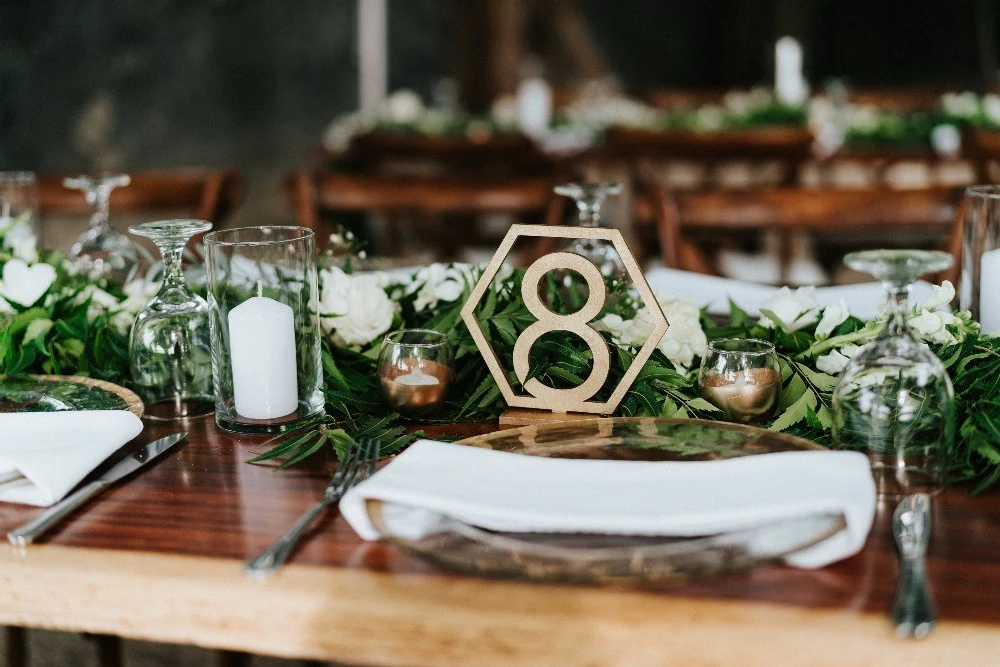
{"x": 112, "y": 252}
{"x": 19, "y": 213}
{"x": 170, "y": 348}
{"x": 589, "y": 198}
{"x": 894, "y": 399}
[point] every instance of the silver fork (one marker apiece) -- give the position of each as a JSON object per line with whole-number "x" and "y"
{"x": 357, "y": 466}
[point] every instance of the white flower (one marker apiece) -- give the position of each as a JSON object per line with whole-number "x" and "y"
{"x": 438, "y": 282}
{"x": 833, "y": 317}
{"x": 685, "y": 338}
{"x": 832, "y": 363}
{"x": 941, "y": 295}
{"x": 991, "y": 107}
{"x": 683, "y": 341}
{"x": 932, "y": 326}
{"x": 796, "y": 310}
{"x": 25, "y": 285}
{"x": 21, "y": 240}
{"x": 403, "y": 106}
{"x": 963, "y": 105}
{"x": 355, "y": 311}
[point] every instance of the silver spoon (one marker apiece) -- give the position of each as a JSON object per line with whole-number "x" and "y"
{"x": 912, "y": 612}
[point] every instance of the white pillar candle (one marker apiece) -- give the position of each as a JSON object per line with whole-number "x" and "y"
{"x": 534, "y": 106}
{"x": 989, "y": 292}
{"x": 262, "y": 353}
{"x": 373, "y": 54}
{"x": 789, "y": 84}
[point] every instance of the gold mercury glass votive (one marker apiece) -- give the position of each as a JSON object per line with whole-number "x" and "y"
{"x": 414, "y": 371}
{"x": 742, "y": 377}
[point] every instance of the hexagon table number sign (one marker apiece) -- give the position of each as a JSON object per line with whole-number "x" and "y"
{"x": 545, "y": 403}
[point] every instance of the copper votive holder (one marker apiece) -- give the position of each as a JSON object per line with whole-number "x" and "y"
{"x": 415, "y": 371}
{"x": 742, "y": 378}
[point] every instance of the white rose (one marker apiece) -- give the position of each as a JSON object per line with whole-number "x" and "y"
{"x": 685, "y": 338}
{"x": 833, "y": 317}
{"x": 25, "y": 285}
{"x": 796, "y": 310}
{"x": 21, "y": 240}
{"x": 832, "y": 363}
{"x": 354, "y": 311}
{"x": 403, "y": 106}
{"x": 963, "y": 105}
{"x": 941, "y": 295}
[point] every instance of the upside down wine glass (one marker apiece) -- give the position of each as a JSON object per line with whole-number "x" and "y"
{"x": 589, "y": 198}
{"x": 170, "y": 349}
{"x": 112, "y": 252}
{"x": 894, "y": 400}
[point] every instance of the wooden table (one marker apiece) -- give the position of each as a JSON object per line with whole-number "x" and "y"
{"x": 159, "y": 558}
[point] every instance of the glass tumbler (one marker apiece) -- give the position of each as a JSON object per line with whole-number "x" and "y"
{"x": 741, "y": 377}
{"x": 263, "y": 298}
{"x": 19, "y": 215}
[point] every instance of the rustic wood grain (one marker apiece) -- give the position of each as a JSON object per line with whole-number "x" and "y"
{"x": 159, "y": 558}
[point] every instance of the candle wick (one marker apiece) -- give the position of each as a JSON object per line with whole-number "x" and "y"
{"x": 260, "y": 288}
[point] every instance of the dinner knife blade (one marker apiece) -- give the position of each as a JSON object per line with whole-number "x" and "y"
{"x": 32, "y": 530}
{"x": 140, "y": 457}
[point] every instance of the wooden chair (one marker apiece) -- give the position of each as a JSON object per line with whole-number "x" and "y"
{"x": 681, "y": 216}
{"x": 401, "y": 198}
{"x": 208, "y": 194}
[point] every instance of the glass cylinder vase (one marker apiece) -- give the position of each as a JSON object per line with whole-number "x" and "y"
{"x": 979, "y": 289}
{"x": 263, "y": 297}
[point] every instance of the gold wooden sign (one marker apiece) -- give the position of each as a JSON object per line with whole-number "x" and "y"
{"x": 574, "y": 399}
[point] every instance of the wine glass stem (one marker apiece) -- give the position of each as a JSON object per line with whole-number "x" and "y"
{"x": 897, "y": 307}
{"x": 101, "y": 217}
{"x": 172, "y": 265}
{"x": 589, "y": 213}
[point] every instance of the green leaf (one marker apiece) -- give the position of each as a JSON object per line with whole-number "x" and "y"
{"x": 795, "y": 413}
{"x": 37, "y": 328}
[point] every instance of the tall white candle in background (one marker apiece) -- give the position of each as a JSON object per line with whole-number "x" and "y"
{"x": 262, "y": 353}
{"x": 534, "y": 106}
{"x": 989, "y": 292}
{"x": 789, "y": 84}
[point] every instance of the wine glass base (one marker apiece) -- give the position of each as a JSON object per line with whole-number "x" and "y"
{"x": 176, "y": 409}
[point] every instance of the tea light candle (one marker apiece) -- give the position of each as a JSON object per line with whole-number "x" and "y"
{"x": 411, "y": 391}
{"x": 262, "y": 353}
{"x": 747, "y": 396}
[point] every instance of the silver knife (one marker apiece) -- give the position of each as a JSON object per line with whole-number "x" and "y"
{"x": 32, "y": 530}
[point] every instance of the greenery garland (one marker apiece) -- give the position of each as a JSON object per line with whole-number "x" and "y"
{"x": 79, "y": 326}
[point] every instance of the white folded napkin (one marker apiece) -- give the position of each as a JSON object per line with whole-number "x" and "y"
{"x": 863, "y": 300}
{"x": 511, "y": 492}
{"x": 43, "y": 455}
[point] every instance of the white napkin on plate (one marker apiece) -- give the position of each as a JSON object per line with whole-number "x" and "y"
{"x": 512, "y": 492}
{"x": 863, "y": 300}
{"x": 43, "y": 455}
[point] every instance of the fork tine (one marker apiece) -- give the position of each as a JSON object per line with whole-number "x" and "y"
{"x": 356, "y": 467}
{"x": 345, "y": 465}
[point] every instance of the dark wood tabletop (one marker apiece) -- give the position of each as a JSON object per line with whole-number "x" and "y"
{"x": 201, "y": 510}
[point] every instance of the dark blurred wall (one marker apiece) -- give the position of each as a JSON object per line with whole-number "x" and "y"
{"x": 252, "y": 83}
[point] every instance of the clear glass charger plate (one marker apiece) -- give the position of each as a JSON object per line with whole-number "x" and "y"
{"x": 593, "y": 558}
{"x": 58, "y": 393}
